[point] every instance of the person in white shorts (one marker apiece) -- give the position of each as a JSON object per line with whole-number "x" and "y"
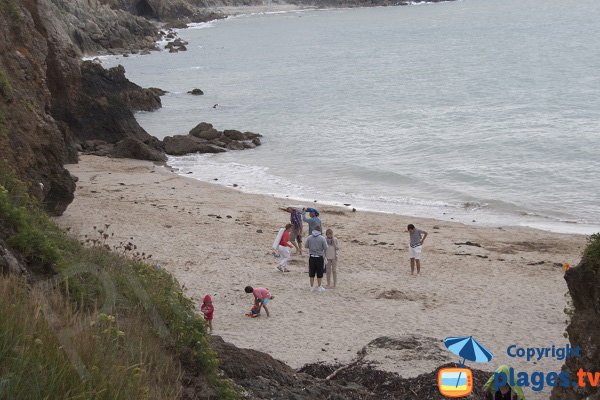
{"x": 417, "y": 237}
{"x": 284, "y": 249}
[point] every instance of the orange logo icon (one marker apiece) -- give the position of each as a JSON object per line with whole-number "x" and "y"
{"x": 455, "y": 382}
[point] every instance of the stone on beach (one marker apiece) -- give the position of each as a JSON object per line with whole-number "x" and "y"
{"x": 185, "y": 144}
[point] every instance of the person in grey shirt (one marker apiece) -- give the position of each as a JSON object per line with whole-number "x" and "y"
{"x": 417, "y": 237}
{"x": 314, "y": 221}
{"x": 316, "y": 245}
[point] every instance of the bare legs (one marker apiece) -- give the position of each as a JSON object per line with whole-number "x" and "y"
{"x": 412, "y": 266}
{"x": 261, "y": 305}
{"x": 298, "y": 249}
{"x": 331, "y": 271}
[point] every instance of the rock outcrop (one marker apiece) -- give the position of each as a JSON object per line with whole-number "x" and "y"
{"x": 94, "y": 26}
{"x": 179, "y": 145}
{"x": 135, "y": 148}
{"x": 203, "y": 138}
{"x": 31, "y": 141}
{"x": 263, "y": 377}
{"x": 105, "y": 105}
{"x": 584, "y": 328}
{"x": 10, "y": 262}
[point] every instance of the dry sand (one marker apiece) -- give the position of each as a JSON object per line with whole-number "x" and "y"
{"x": 500, "y": 292}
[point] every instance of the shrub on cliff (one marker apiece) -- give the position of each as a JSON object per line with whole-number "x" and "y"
{"x": 27, "y": 228}
{"x": 5, "y": 87}
{"x": 103, "y": 326}
{"x": 592, "y": 251}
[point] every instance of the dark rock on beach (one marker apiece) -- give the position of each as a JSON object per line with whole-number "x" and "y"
{"x": 202, "y": 126}
{"x": 180, "y": 42}
{"x": 104, "y": 111}
{"x": 209, "y": 134}
{"x": 134, "y": 148}
{"x": 157, "y": 92}
{"x": 263, "y": 377}
{"x": 234, "y": 135}
{"x": 203, "y": 138}
{"x": 235, "y": 145}
{"x": 185, "y": 144}
{"x": 248, "y": 144}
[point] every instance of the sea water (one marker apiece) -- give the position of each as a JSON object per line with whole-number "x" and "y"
{"x": 478, "y": 111}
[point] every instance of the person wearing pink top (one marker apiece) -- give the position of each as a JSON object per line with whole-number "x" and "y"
{"x": 261, "y": 298}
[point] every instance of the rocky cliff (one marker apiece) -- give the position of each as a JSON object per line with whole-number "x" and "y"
{"x": 584, "y": 328}
{"x": 50, "y": 101}
{"x": 31, "y": 140}
{"x": 93, "y": 27}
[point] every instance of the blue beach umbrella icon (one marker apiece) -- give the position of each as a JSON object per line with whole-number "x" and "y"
{"x": 468, "y": 349}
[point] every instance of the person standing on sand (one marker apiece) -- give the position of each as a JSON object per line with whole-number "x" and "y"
{"x": 283, "y": 249}
{"x": 316, "y": 245}
{"x": 314, "y": 221}
{"x": 331, "y": 254}
{"x": 296, "y": 234}
{"x": 417, "y": 237}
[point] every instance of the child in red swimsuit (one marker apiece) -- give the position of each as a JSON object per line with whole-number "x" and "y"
{"x": 208, "y": 309}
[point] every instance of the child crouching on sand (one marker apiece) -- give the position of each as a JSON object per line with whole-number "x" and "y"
{"x": 261, "y": 298}
{"x": 331, "y": 254}
{"x": 208, "y": 309}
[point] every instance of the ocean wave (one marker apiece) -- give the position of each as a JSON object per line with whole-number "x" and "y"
{"x": 201, "y": 25}
{"x": 260, "y": 180}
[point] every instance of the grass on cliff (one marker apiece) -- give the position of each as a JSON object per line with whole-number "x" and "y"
{"x": 592, "y": 250}
{"x": 9, "y": 8}
{"x": 5, "y": 87}
{"x": 3, "y": 130}
{"x": 103, "y": 326}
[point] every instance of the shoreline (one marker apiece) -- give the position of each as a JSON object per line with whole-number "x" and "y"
{"x": 217, "y": 240}
{"x": 477, "y": 216}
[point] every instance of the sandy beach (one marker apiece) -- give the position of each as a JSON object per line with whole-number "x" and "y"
{"x": 217, "y": 240}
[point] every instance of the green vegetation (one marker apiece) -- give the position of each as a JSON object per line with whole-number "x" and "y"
{"x": 3, "y": 130}
{"x": 108, "y": 325}
{"x": 5, "y": 88}
{"x": 592, "y": 251}
{"x": 8, "y": 8}
{"x": 31, "y": 231}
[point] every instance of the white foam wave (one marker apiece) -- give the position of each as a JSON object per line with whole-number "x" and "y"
{"x": 98, "y": 58}
{"x": 202, "y": 25}
{"x": 260, "y": 180}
